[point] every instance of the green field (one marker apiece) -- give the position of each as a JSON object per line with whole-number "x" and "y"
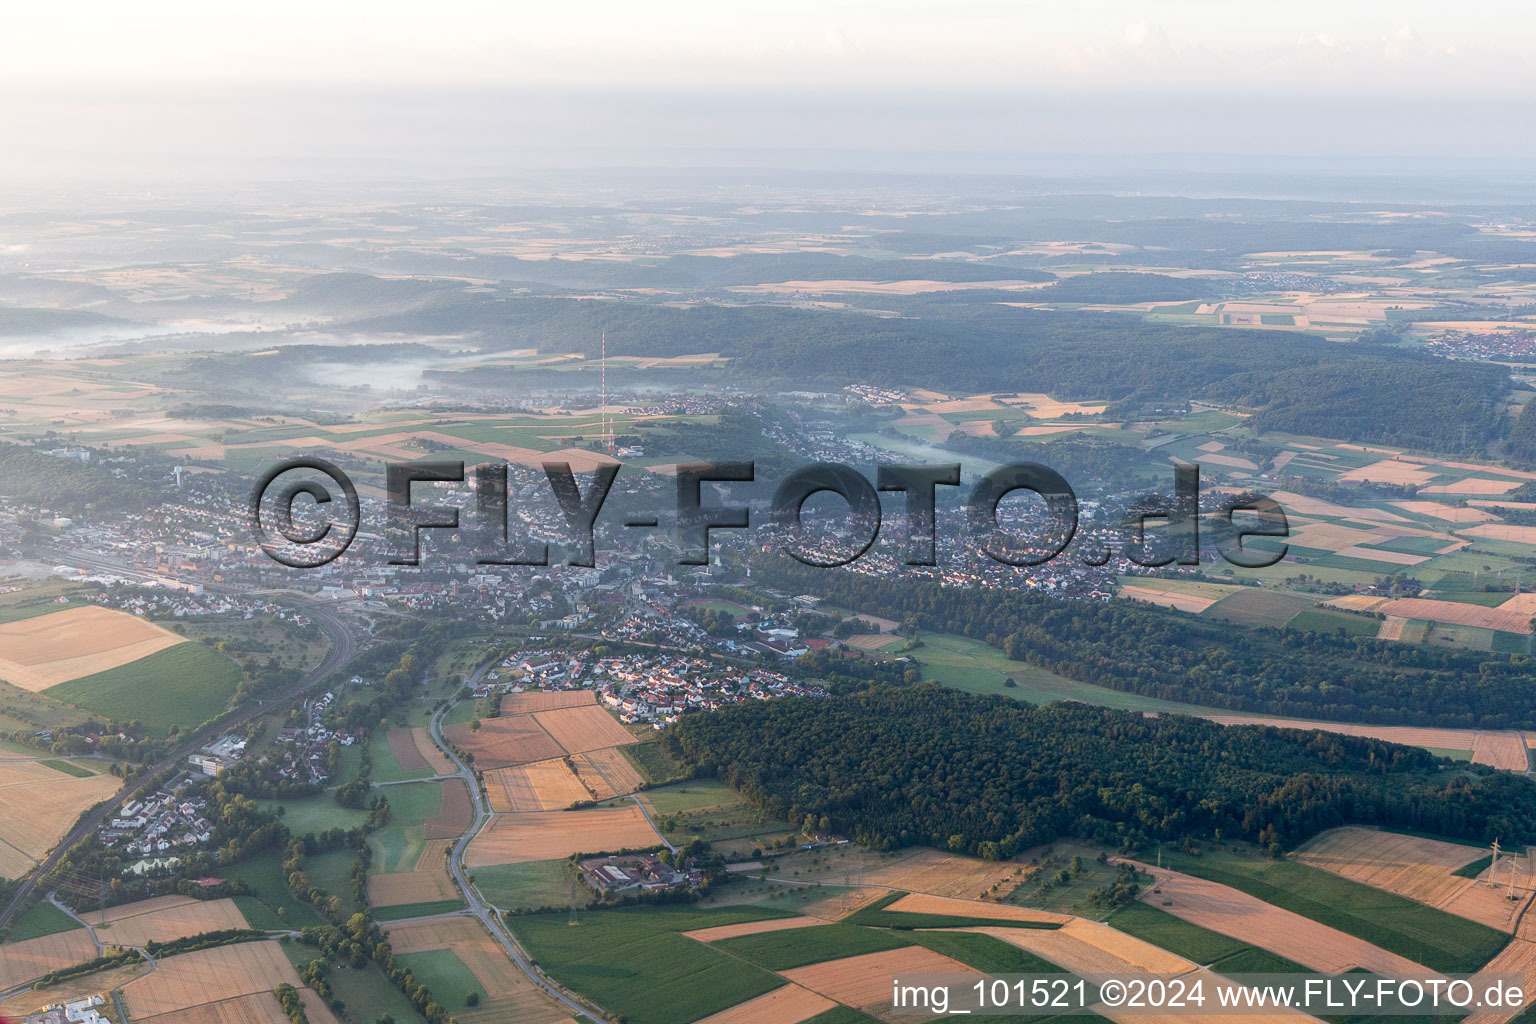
{"x": 653, "y": 763}
{"x": 782, "y": 951}
{"x": 270, "y": 904}
{"x": 385, "y": 767}
{"x": 368, "y": 995}
{"x": 713, "y": 812}
{"x": 1434, "y": 938}
{"x": 974, "y": 667}
{"x": 404, "y": 910}
{"x": 1174, "y": 934}
{"x": 185, "y": 685}
{"x": 41, "y": 918}
{"x": 841, "y": 1015}
{"x": 1253, "y": 606}
{"x": 690, "y": 796}
{"x": 332, "y": 871}
{"x": 317, "y": 813}
{"x": 445, "y": 975}
{"x": 1322, "y": 620}
{"x": 537, "y": 885}
{"x": 69, "y": 768}
{"x": 398, "y": 845}
{"x": 633, "y": 962}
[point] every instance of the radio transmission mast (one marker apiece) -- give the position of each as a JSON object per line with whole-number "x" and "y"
{"x": 602, "y": 402}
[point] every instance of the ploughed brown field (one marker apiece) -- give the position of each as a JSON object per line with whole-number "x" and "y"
{"x": 455, "y": 814}
{"x": 500, "y": 742}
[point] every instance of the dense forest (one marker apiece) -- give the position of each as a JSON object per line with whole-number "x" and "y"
{"x": 1521, "y": 445}
{"x": 1118, "y": 287}
{"x": 922, "y": 765}
{"x": 1180, "y": 657}
{"x": 67, "y": 487}
{"x": 1293, "y": 381}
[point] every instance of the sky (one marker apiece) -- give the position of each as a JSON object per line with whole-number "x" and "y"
{"x": 479, "y": 86}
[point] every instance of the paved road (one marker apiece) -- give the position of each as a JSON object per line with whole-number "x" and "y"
{"x": 477, "y": 905}
{"x": 342, "y": 650}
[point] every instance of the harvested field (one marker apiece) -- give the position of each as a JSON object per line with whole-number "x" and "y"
{"x": 1153, "y": 594}
{"x": 864, "y": 982}
{"x": 22, "y": 961}
{"x": 1300, "y": 504}
{"x": 1505, "y": 750}
{"x": 37, "y": 806}
{"x": 1519, "y": 957}
{"x": 94, "y": 638}
{"x": 1520, "y": 604}
{"x": 1420, "y": 869}
{"x": 1458, "y": 613}
{"x": 870, "y": 641}
{"x": 427, "y": 883}
{"x": 1500, "y": 531}
{"x": 501, "y": 742}
{"x": 431, "y": 753}
{"x": 549, "y": 835}
{"x": 585, "y": 728}
{"x": 1232, "y": 461}
{"x": 1249, "y": 919}
{"x": 454, "y": 815}
{"x": 509, "y": 994}
{"x": 209, "y": 976}
{"x": 165, "y": 918}
{"x": 545, "y": 700}
{"x": 1356, "y": 602}
{"x": 941, "y": 874}
{"x": 1330, "y": 536}
{"x": 1090, "y": 947}
{"x": 1473, "y": 485}
{"x": 537, "y": 786}
{"x": 1450, "y": 513}
{"x": 1388, "y": 471}
{"x": 256, "y": 1008}
{"x": 924, "y": 903}
{"x": 1497, "y": 749}
{"x": 773, "y": 924}
{"x": 1378, "y": 555}
{"x": 1047, "y": 408}
{"x": 607, "y": 773}
{"x": 790, "y": 1004}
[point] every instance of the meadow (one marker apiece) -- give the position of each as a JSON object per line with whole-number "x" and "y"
{"x": 184, "y": 686}
{"x": 634, "y": 963}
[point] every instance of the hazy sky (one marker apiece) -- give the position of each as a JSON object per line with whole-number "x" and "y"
{"x": 479, "y": 84}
